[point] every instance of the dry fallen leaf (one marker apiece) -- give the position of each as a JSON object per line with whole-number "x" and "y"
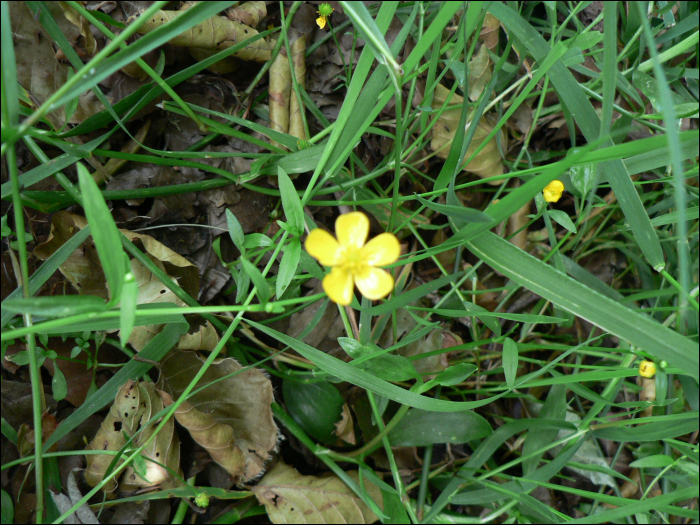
{"x": 232, "y": 419}
{"x": 290, "y": 497}
{"x": 488, "y": 162}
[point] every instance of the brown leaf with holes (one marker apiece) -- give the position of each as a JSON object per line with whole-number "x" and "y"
{"x": 134, "y": 406}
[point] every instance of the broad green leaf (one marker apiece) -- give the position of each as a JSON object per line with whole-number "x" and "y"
{"x": 419, "y": 428}
{"x": 563, "y": 219}
{"x": 316, "y": 407}
{"x": 59, "y": 387}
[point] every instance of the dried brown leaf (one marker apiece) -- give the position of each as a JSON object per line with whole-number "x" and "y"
{"x": 488, "y": 162}
{"x": 290, "y": 497}
{"x": 240, "y": 402}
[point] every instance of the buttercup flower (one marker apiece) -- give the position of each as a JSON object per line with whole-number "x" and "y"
{"x": 552, "y": 192}
{"x": 352, "y": 260}
{"x": 647, "y": 369}
{"x": 324, "y": 11}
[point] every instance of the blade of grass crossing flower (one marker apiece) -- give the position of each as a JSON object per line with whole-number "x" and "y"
{"x": 574, "y": 98}
{"x": 104, "y": 233}
{"x": 580, "y": 300}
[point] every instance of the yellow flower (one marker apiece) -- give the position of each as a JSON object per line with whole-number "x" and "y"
{"x": 352, "y": 260}
{"x": 647, "y": 369}
{"x": 324, "y": 11}
{"x": 552, "y": 192}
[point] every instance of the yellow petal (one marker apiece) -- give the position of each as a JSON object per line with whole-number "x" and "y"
{"x": 321, "y": 21}
{"x": 352, "y": 229}
{"x": 338, "y": 286}
{"x": 374, "y": 283}
{"x": 382, "y": 250}
{"x": 323, "y": 246}
{"x": 552, "y": 192}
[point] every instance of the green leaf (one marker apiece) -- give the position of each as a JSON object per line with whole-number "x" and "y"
{"x": 655, "y": 461}
{"x": 257, "y": 240}
{"x": 104, "y": 233}
{"x": 454, "y": 375}
{"x": 59, "y": 387}
{"x": 8, "y": 511}
{"x": 510, "y": 361}
{"x": 291, "y": 203}
{"x": 288, "y": 266}
{"x": 419, "y": 428}
{"x": 563, "y": 219}
{"x": 316, "y": 407}
{"x": 258, "y": 280}
{"x": 235, "y": 231}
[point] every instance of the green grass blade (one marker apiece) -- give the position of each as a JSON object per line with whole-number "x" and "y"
{"x": 104, "y": 233}
{"x": 580, "y": 300}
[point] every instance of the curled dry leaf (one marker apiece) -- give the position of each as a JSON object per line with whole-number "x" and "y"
{"x": 290, "y": 497}
{"x": 134, "y": 405}
{"x": 214, "y": 33}
{"x": 488, "y": 162}
{"x": 232, "y": 419}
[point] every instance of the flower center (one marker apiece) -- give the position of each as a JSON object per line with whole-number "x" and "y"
{"x": 352, "y": 260}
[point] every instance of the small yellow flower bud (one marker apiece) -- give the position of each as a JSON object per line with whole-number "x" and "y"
{"x": 201, "y": 500}
{"x": 324, "y": 11}
{"x": 552, "y": 192}
{"x": 647, "y": 369}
